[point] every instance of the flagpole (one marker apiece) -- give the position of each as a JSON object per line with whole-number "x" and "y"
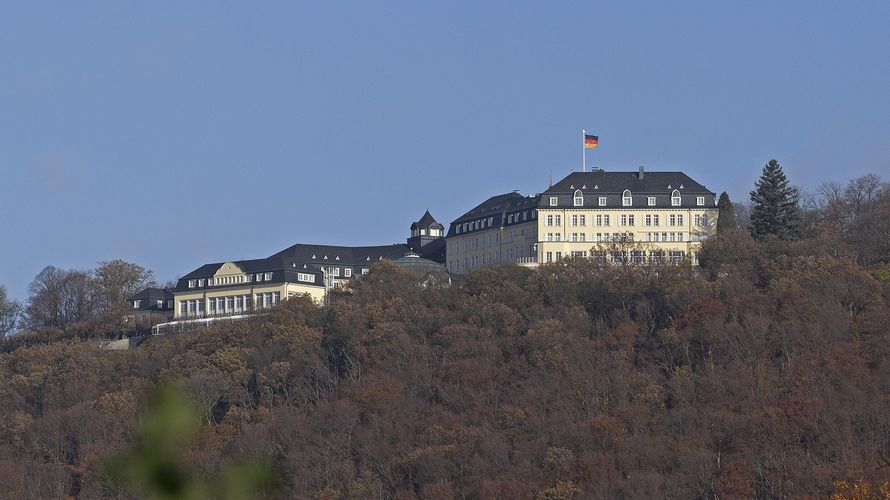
{"x": 583, "y": 152}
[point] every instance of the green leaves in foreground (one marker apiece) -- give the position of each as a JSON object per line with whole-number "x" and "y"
{"x": 155, "y": 466}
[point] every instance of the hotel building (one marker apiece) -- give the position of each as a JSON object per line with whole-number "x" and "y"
{"x": 638, "y": 217}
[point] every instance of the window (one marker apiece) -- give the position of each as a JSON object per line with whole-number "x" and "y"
{"x": 602, "y": 201}
{"x": 656, "y": 256}
{"x": 637, "y": 256}
{"x": 135, "y": 304}
{"x": 347, "y": 273}
{"x": 582, "y": 237}
{"x": 700, "y": 201}
{"x": 606, "y": 221}
{"x": 259, "y": 276}
{"x": 490, "y": 221}
{"x": 183, "y": 307}
{"x": 574, "y": 237}
{"x": 582, "y": 220}
{"x": 160, "y": 304}
{"x": 200, "y": 282}
{"x": 627, "y": 220}
{"x": 680, "y": 220}
{"x": 557, "y": 220}
{"x": 626, "y": 198}
{"x": 574, "y": 220}
{"x": 549, "y": 256}
{"x": 650, "y": 201}
{"x": 268, "y": 276}
{"x": 675, "y": 198}
{"x": 306, "y": 277}
{"x": 549, "y": 220}
{"x": 578, "y": 199}
{"x": 365, "y": 270}
{"x": 553, "y": 201}
{"x": 579, "y": 254}
{"x": 558, "y": 255}
{"x": 335, "y": 272}
{"x": 676, "y": 256}
{"x": 192, "y": 283}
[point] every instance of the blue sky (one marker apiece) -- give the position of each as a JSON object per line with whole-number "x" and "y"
{"x": 172, "y": 134}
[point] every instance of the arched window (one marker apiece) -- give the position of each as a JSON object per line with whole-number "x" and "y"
{"x": 626, "y": 198}
{"x": 578, "y": 199}
{"x": 675, "y": 198}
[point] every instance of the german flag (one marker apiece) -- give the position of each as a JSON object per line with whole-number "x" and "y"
{"x": 591, "y": 141}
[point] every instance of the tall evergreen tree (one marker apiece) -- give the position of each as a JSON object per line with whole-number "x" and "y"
{"x": 774, "y": 200}
{"x": 725, "y": 214}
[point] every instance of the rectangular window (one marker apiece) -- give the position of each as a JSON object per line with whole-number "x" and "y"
{"x": 135, "y": 304}
{"x": 575, "y": 237}
{"x": 200, "y": 282}
{"x": 676, "y": 256}
{"x": 623, "y": 220}
{"x": 259, "y": 276}
{"x": 680, "y": 220}
{"x": 582, "y": 237}
{"x": 574, "y": 220}
{"x": 602, "y": 201}
{"x": 679, "y": 236}
{"x": 192, "y": 283}
{"x": 582, "y": 220}
{"x": 651, "y": 201}
{"x": 672, "y": 220}
{"x": 557, "y": 220}
{"x": 268, "y": 276}
{"x": 336, "y": 271}
{"x": 557, "y": 237}
{"x": 606, "y": 221}
{"x": 183, "y": 307}
{"x": 553, "y": 201}
{"x": 306, "y": 277}
{"x": 549, "y": 256}
{"x": 347, "y": 273}
{"x": 700, "y": 201}
{"x": 549, "y": 220}
{"x": 558, "y": 255}
{"x": 579, "y": 254}
{"x": 631, "y": 220}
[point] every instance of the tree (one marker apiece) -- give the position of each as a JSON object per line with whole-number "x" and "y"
{"x": 59, "y": 298}
{"x": 116, "y": 281}
{"x": 775, "y": 209}
{"x": 726, "y": 213}
{"x": 9, "y": 312}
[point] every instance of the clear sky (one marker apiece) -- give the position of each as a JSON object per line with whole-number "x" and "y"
{"x": 173, "y": 134}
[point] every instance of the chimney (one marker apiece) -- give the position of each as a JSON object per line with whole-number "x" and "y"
{"x": 642, "y": 172}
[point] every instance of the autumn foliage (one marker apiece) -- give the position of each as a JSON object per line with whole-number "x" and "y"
{"x": 764, "y": 373}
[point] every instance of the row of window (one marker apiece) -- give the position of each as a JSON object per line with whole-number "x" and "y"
{"x": 159, "y": 303}
{"x": 635, "y": 256}
{"x": 489, "y": 222}
{"x": 626, "y": 199}
{"x": 625, "y": 220}
{"x": 231, "y": 304}
{"x": 230, "y": 280}
{"x": 601, "y": 237}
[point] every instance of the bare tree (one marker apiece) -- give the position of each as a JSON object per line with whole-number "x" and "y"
{"x": 9, "y": 312}
{"x": 59, "y": 298}
{"x": 116, "y": 281}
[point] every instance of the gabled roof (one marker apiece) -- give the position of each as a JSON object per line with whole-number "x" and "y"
{"x": 426, "y": 222}
{"x": 153, "y": 294}
{"x": 616, "y": 182}
{"x": 499, "y": 204}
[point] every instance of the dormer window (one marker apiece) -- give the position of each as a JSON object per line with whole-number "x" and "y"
{"x": 554, "y": 201}
{"x": 675, "y": 198}
{"x": 700, "y": 201}
{"x": 200, "y": 282}
{"x": 578, "y": 199}
{"x": 135, "y": 304}
{"x": 268, "y": 276}
{"x": 626, "y": 198}
{"x": 602, "y": 201}
{"x": 650, "y": 201}
{"x": 192, "y": 283}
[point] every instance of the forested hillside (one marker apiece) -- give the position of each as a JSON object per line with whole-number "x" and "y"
{"x": 763, "y": 373}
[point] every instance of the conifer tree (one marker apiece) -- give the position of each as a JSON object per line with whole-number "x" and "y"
{"x": 726, "y": 213}
{"x": 774, "y": 202}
